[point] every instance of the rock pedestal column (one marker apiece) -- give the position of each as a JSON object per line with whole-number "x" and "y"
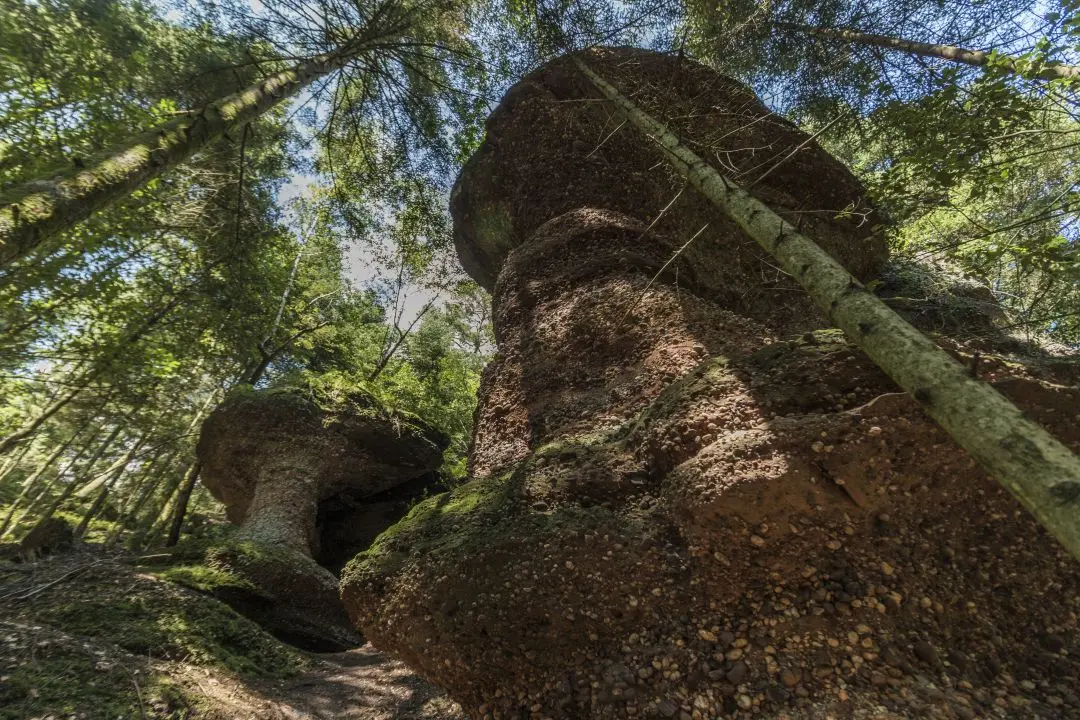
{"x": 688, "y": 499}
{"x": 272, "y": 457}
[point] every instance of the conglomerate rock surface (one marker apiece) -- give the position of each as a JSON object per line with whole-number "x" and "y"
{"x": 688, "y": 500}
{"x": 274, "y": 458}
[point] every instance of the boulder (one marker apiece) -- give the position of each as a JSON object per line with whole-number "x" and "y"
{"x": 688, "y": 499}
{"x": 50, "y": 536}
{"x": 274, "y": 458}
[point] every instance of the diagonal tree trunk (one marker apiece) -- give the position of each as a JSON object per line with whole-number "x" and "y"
{"x": 56, "y": 406}
{"x": 31, "y": 482}
{"x": 389, "y": 353}
{"x": 183, "y": 497}
{"x": 32, "y": 507}
{"x": 33, "y": 212}
{"x": 1042, "y": 473}
{"x": 155, "y": 471}
{"x": 975, "y": 58}
{"x": 28, "y": 430}
{"x": 76, "y": 483}
{"x": 109, "y": 478}
{"x": 155, "y": 520}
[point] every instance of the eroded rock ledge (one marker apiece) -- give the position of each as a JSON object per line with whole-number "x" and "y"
{"x": 688, "y": 500}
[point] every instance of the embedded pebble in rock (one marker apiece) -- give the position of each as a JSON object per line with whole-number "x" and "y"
{"x": 742, "y": 515}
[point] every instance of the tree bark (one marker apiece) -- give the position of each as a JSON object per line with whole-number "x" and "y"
{"x": 75, "y": 483}
{"x": 975, "y": 58}
{"x": 38, "y": 209}
{"x": 31, "y": 482}
{"x": 1041, "y": 472}
{"x": 187, "y": 485}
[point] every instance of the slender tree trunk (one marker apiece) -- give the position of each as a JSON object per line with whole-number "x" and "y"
{"x": 111, "y": 475}
{"x": 98, "y": 504}
{"x": 389, "y": 353}
{"x": 33, "y": 212}
{"x": 161, "y": 518}
{"x": 144, "y": 491}
{"x": 74, "y": 485}
{"x": 36, "y": 210}
{"x": 267, "y": 357}
{"x": 31, "y": 482}
{"x": 183, "y": 497}
{"x": 1042, "y": 473}
{"x": 156, "y": 523}
{"x": 14, "y": 461}
{"x": 31, "y": 427}
{"x": 36, "y": 502}
{"x": 60, "y": 300}
{"x": 975, "y": 58}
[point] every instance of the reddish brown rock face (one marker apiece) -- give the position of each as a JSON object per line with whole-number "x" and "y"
{"x": 680, "y": 508}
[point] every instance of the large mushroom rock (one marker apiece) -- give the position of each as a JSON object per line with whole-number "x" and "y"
{"x": 679, "y": 510}
{"x": 553, "y": 145}
{"x": 274, "y": 458}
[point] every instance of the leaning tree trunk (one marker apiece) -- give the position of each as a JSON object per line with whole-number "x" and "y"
{"x": 31, "y": 482}
{"x": 14, "y": 461}
{"x": 38, "y": 209}
{"x": 109, "y": 478}
{"x": 152, "y": 481}
{"x": 93, "y": 373}
{"x": 30, "y": 509}
{"x": 76, "y": 483}
{"x": 31, "y": 427}
{"x": 1041, "y": 472}
{"x": 975, "y": 58}
{"x": 183, "y": 497}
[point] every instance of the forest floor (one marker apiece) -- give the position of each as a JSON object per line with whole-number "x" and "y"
{"x": 85, "y": 636}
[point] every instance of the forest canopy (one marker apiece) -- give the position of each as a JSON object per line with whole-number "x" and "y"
{"x": 202, "y": 197}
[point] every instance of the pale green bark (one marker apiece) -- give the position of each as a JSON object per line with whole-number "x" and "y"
{"x": 975, "y": 58}
{"x": 1040, "y": 471}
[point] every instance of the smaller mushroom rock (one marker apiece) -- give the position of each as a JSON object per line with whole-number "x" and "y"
{"x": 272, "y": 457}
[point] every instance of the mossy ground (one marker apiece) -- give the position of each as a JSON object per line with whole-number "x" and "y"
{"x": 62, "y": 677}
{"x": 109, "y": 641}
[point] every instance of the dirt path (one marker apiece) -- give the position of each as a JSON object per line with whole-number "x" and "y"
{"x": 361, "y": 684}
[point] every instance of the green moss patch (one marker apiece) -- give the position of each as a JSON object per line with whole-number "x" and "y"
{"x": 444, "y": 521}
{"x": 57, "y": 682}
{"x": 205, "y": 579}
{"x": 164, "y": 621}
